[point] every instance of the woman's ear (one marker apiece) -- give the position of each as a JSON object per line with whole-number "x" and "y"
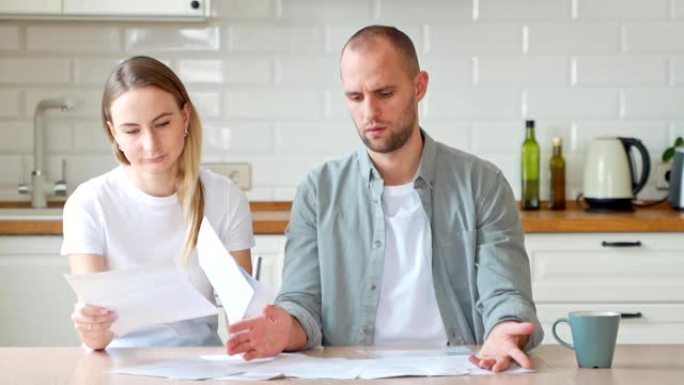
{"x": 110, "y": 126}
{"x": 187, "y": 110}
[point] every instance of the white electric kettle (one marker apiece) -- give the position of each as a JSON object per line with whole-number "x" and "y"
{"x": 610, "y": 182}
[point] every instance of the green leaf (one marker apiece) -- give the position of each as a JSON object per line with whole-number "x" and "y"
{"x": 668, "y": 154}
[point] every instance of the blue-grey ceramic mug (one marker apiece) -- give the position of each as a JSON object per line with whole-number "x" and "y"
{"x": 593, "y": 335}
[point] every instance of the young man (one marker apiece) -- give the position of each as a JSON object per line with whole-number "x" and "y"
{"x": 406, "y": 240}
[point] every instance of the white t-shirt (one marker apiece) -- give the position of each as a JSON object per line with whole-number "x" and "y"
{"x": 407, "y": 310}
{"x": 110, "y": 216}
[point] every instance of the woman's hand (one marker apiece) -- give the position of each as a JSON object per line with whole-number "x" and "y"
{"x": 92, "y": 324}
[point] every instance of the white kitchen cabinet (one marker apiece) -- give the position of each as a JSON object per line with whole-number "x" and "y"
{"x": 639, "y": 274}
{"x": 35, "y": 300}
{"x": 271, "y": 248}
{"x": 106, "y": 9}
{"x": 179, "y": 8}
{"x": 31, "y": 7}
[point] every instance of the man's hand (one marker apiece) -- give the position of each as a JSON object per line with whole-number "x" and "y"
{"x": 504, "y": 343}
{"x": 264, "y": 336}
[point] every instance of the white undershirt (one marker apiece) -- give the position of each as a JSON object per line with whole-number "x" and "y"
{"x": 407, "y": 311}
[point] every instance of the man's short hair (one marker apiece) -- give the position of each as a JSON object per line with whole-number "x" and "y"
{"x": 403, "y": 45}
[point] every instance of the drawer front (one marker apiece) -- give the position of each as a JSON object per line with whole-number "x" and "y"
{"x": 658, "y": 324}
{"x": 576, "y": 268}
{"x": 595, "y": 241}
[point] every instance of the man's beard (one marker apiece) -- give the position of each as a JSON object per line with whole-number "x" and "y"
{"x": 395, "y": 140}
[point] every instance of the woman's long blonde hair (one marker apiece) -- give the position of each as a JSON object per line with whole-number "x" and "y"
{"x": 143, "y": 71}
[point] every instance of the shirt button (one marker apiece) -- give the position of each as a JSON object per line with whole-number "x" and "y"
{"x": 372, "y": 286}
{"x": 365, "y": 330}
{"x": 377, "y": 243}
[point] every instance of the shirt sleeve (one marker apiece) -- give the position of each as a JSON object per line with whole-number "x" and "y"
{"x": 239, "y": 234}
{"x": 82, "y": 228}
{"x": 503, "y": 273}
{"x": 300, "y": 293}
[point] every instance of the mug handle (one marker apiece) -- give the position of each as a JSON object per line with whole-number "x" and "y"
{"x": 560, "y": 340}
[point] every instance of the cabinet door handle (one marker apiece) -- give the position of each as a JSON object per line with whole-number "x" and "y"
{"x": 630, "y": 315}
{"x": 621, "y": 244}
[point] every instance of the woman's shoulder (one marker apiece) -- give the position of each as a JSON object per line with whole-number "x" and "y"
{"x": 222, "y": 197}
{"x": 91, "y": 194}
{"x": 215, "y": 183}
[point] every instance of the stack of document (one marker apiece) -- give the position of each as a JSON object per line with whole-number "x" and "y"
{"x": 438, "y": 362}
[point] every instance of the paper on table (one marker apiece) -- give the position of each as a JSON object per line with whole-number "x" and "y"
{"x": 303, "y": 366}
{"x": 199, "y": 368}
{"x": 415, "y": 366}
{"x": 448, "y": 351}
{"x": 193, "y": 368}
{"x": 240, "y": 294}
{"x": 309, "y": 367}
{"x": 142, "y": 297}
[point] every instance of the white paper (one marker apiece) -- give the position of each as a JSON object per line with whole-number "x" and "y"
{"x": 194, "y": 368}
{"x": 308, "y": 367}
{"x": 448, "y": 351}
{"x": 415, "y": 366}
{"x": 142, "y": 297}
{"x": 240, "y": 294}
{"x": 201, "y": 368}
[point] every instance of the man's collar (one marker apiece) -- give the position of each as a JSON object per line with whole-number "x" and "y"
{"x": 428, "y": 160}
{"x": 426, "y": 167}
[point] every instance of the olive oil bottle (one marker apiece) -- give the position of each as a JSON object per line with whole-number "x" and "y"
{"x": 557, "y": 166}
{"x": 530, "y": 169}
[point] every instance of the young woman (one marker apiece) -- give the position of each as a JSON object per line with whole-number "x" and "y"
{"x": 149, "y": 209}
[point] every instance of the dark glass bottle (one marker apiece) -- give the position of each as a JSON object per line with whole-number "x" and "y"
{"x": 530, "y": 169}
{"x": 557, "y": 165}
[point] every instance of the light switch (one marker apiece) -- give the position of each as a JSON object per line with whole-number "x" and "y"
{"x": 240, "y": 173}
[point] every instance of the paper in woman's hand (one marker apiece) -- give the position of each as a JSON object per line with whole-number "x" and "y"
{"x": 241, "y": 295}
{"x": 142, "y": 297}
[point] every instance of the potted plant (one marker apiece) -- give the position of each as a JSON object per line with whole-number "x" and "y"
{"x": 670, "y": 151}
{"x": 663, "y": 167}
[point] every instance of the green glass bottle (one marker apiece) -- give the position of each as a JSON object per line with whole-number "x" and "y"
{"x": 530, "y": 169}
{"x": 557, "y": 187}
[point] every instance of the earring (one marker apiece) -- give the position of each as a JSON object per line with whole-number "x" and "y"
{"x": 185, "y": 134}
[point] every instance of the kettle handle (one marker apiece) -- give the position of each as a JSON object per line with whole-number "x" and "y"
{"x": 645, "y": 160}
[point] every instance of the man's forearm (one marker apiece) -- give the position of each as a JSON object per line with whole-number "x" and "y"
{"x": 298, "y": 337}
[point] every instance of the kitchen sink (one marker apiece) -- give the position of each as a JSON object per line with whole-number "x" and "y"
{"x": 30, "y": 214}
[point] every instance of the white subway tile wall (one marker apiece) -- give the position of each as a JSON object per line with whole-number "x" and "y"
{"x": 69, "y": 38}
{"x": 9, "y": 38}
{"x": 677, "y": 70}
{"x": 264, "y": 76}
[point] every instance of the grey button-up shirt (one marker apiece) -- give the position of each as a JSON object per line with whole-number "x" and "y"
{"x": 335, "y": 248}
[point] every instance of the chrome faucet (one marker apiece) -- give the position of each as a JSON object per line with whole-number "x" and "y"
{"x": 38, "y": 188}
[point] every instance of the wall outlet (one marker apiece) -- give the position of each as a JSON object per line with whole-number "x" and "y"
{"x": 660, "y": 170}
{"x": 240, "y": 173}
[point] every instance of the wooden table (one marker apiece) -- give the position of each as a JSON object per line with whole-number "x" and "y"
{"x": 555, "y": 365}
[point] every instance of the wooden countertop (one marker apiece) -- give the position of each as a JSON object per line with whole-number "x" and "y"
{"x": 272, "y": 218}
{"x": 554, "y": 364}
{"x": 658, "y": 218}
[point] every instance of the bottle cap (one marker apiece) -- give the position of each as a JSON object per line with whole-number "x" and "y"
{"x": 529, "y": 123}
{"x": 557, "y": 141}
